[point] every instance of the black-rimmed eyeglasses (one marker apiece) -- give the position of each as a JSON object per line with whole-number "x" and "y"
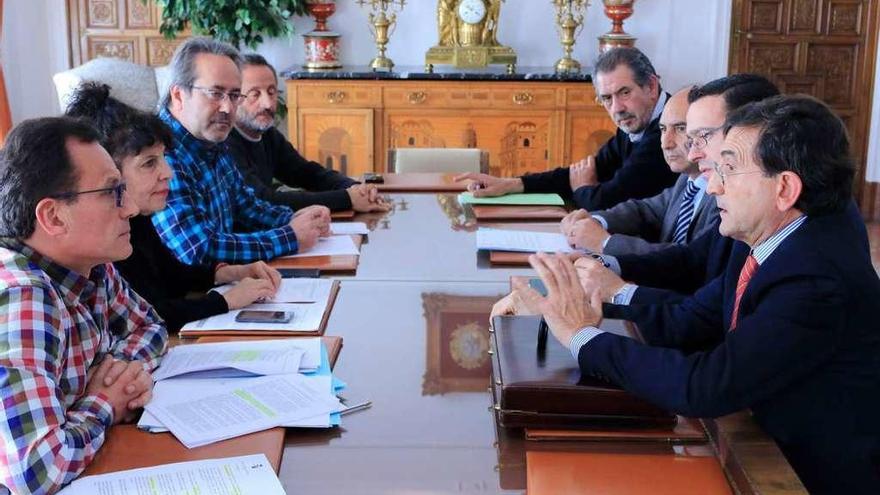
{"x": 217, "y": 96}
{"x": 118, "y": 191}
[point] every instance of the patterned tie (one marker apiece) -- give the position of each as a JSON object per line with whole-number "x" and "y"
{"x": 748, "y": 269}
{"x": 685, "y": 213}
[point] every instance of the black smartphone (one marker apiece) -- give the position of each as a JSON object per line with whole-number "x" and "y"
{"x": 257, "y": 316}
{"x": 372, "y": 178}
{"x": 299, "y": 272}
{"x": 538, "y": 285}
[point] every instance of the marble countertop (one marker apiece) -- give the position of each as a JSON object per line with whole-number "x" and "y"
{"x": 492, "y": 73}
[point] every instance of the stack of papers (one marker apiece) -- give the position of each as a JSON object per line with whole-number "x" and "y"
{"x": 521, "y": 241}
{"x": 244, "y": 475}
{"x": 531, "y": 199}
{"x": 348, "y": 228}
{"x": 307, "y": 299}
{"x": 211, "y": 392}
{"x": 335, "y": 245}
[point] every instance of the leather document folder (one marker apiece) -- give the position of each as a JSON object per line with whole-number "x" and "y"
{"x": 494, "y": 213}
{"x": 548, "y": 391}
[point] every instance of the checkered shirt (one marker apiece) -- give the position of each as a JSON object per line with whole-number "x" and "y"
{"x": 208, "y": 195}
{"x": 54, "y": 325}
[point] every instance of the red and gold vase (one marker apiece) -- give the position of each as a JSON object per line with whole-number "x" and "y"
{"x": 322, "y": 45}
{"x": 617, "y": 11}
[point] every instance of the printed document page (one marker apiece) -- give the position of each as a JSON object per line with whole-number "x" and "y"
{"x": 295, "y": 290}
{"x": 329, "y": 246}
{"x": 244, "y": 475}
{"x": 522, "y": 241}
{"x": 343, "y": 228}
{"x": 204, "y": 415}
{"x": 256, "y": 358}
{"x": 306, "y": 318}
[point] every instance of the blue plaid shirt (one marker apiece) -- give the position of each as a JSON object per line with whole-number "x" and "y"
{"x": 208, "y": 195}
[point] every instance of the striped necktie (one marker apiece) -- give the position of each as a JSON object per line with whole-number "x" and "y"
{"x": 749, "y": 268}
{"x": 685, "y": 213}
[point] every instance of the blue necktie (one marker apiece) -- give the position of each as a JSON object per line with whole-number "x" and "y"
{"x": 685, "y": 213}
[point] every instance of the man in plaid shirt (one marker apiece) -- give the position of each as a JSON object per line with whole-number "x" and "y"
{"x": 77, "y": 345}
{"x": 212, "y": 215}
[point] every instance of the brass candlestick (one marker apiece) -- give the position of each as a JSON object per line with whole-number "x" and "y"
{"x": 569, "y": 23}
{"x": 382, "y": 21}
{"x": 617, "y": 11}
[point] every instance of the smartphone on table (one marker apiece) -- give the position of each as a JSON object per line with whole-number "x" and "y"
{"x": 373, "y": 178}
{"x": 299, "y": 272}
{"x": 260, "y": 316}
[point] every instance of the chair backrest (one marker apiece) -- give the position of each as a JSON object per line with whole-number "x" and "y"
{"x": 403, "y": 160}
{"x": 129, "y": 83}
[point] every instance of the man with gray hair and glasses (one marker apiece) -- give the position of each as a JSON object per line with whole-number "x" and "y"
{"x": 211, "y": 215}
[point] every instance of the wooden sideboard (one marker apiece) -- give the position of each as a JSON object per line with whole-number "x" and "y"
{"x": 349, "y": 120}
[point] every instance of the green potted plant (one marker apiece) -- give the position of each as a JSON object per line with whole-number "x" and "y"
{"x": 234, "y": 21}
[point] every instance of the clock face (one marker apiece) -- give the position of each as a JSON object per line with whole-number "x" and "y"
{"x": 471, "y": 11}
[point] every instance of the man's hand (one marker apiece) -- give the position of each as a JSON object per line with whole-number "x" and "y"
{"x": 513, "y": 304}
{"x": 570, "y": 219}
{"x": 595, "y": 277}
{"x": 567, "y": 308}
{"x": 125, "y": 384}
{"x": 248, "y": 291}
{"x": 366, "y": 198}
{"x": 588, "y": 234}
{"x": 309, "y": 224}
{"x": 583, "y": 173}
{"x": 258, "y": 270}
{"x": 485, "y": 185}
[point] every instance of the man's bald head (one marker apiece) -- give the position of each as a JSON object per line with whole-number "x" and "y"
{"x": 673, "y": 127}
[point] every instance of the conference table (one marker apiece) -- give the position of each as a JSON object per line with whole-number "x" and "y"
{"x": 414, "y": 319}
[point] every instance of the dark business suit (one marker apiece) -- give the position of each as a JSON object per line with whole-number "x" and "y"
{"x": 805, "y": 355}
{"x": 625, "y": 170}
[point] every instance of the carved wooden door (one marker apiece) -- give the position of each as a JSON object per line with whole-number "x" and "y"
{"x": 126, "y": 29}
{"x": 824, "y": 48}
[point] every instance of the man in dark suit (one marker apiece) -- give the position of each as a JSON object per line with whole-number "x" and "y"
{"x": 790, "y": 328}
{"x": 629, "y": 165}
{"x": 263, "y": 154}
{"x": 675, "y": 216}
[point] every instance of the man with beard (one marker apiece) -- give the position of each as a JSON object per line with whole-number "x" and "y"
{"x": 207, "y": 194}
{"x": 675, "y": 216}
{"x": 629, "y": 166}
{"x": 263, "y": 154}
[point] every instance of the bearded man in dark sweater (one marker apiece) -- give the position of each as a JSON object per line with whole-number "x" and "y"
{"x": 262, "y": 153}
{"x": 629, "y": 166}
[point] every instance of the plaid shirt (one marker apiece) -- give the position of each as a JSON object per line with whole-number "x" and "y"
{"x": 208, "y": 195}
{"x": 54, "y": 325}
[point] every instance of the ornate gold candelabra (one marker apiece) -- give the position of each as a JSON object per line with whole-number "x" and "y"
{"x": 569, "y": 23}
{"x": 617, "y": 11}
{"x": 383, "y": 18}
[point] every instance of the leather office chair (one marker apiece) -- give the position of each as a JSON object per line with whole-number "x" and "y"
{"x": 403, "y": 160}
{"x": 130, "y": 83}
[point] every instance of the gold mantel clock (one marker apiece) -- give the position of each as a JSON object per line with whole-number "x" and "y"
{"x": 468, "y": 35}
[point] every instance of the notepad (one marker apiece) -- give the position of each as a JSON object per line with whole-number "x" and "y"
{"x": 530, "y": 199}
{"x": 243, "y": 475}
{"x": 295, "y": 290}
{"x": 524, "y": 241}
{"x": 343, "y": 228}
{"x": 335, "y": 245}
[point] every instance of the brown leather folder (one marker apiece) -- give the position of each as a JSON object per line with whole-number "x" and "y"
{"x": 686, "y": 430}
{"x": 332, "y": 343}
{"x": 555, "y": 473}
{"x": 508, "y": 258}
{"x": 346, "y": 263}
{"x": 548, "y": 391}
{"x": 492, "y": 213}
{"x": 342, "y": 215}
{"x": 213, "y": 332}
{"x": 126, "y": 447}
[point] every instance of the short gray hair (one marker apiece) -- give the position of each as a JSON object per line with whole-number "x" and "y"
{"x": 183, "y": 64}
{"x": 633, "y": 58}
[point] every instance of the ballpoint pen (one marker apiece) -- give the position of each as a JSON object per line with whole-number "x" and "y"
{"x": 356, "y": 407}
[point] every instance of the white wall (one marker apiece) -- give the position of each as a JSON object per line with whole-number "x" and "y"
{"x": 34, "y": 44}
{"x": 872, "y": 172}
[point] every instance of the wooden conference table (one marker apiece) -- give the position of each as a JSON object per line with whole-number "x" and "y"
{"x": 414, "y": 322}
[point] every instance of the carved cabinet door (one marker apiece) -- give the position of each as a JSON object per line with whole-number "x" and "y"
{"x": 824, "y": 48}
{"x": 338, "y": 139}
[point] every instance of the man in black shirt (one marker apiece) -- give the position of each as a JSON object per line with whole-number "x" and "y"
{"x": 262, "y": 153}
{"x": 629, "y": 166}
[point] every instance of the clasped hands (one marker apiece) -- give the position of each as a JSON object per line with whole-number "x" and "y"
{"x": 126, "y": 385}
{"x": 582, "y": 231}
{"x": 254, "y": 282}
{"x": 365, "y": 198}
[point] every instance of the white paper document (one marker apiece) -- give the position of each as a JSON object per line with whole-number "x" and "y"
{"x": 204, "y": 415}
{"x": 334, "y": 245}
{"x": 343, "y": 228}
{"x": 296, "y": 290}
{"x": 306, "y": 318}
{"x": 244, "y": 475}
{"x": 521, "y": 241}
{"x": 265, "y": 357}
